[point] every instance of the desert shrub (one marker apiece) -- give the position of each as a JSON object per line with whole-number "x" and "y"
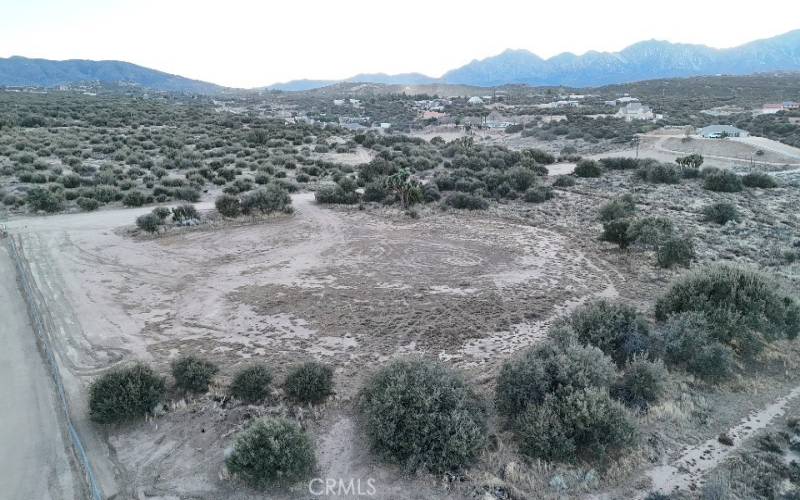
{"x": 521, "y": 178}
{"x": 759, "y": 180}
{"x": 650, "y": 231}
{"x": 376, "y": 191}
{"x": 722, "y": 181}
{"x": 311, "y": 382}
{"x": 40, "y": 198}
{"x": 228, "y": 205}
{"x": 659, "y": 173}
{"x": 675, "y": 251}
{"x": 184, "y": 212}
{"x": 588, "y": 168}
{"x": 271, "y": 452}
{"x": 617, "y": 329}
{"x": 586, "y": 423}
{"x": 126, "y": 393}
{"x": 134, "y": 199}
{"x": 721, "y": 213}
{"x": 71, "y": 181}
{"x": 744, "y": 307}
{"x": 87, "y": 204}
{"x": 466, "y": 201}
{"x": 161, "y": 212}
{"x": 335, "y": 194}
{"x": 186, "y": 194}
{"x": 9, "y": 200}
{"x": 430, "y": 192}
{"x": 619, "y": 208}
{"x": 563, "y": 181}
{"x": 271, "y": 198}
{"x": 193, "y": 374}
{"x": 553, "y": 367}
{"x": 422, "y": 415}
{"x": 616, "y": 231}
{"x": 539, "y": 156}
{"x": 251, "y": 384}
{"x": 642, "y": 384}
{"x": 619, "y": 163}
{"x": 149, "y": 222}
{"x": 538, "y": 194}
{"x": 106, "y": 194}
{"x": 688, "y": 343}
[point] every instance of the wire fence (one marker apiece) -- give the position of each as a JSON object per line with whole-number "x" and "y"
{"x": 41, "y": 329}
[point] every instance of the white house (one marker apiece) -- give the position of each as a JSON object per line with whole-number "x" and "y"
{"x": 635, "y": 111}
{"x": 475, "y": 100}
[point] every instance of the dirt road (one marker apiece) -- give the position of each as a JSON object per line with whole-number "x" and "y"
{"x": 34, "y": 463}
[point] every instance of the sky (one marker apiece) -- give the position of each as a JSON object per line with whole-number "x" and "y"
{"x": 248, "y": 44}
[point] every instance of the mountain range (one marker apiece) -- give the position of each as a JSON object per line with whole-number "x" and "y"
{"x": 641, "y": 61}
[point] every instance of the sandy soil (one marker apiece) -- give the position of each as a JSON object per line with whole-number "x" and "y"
{"x": 354, "y": 288}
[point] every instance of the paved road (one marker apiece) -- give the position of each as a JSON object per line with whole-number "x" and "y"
{"x": 34, "y": 462}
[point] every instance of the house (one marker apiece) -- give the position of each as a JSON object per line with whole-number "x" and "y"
{"x": 432, "y": 115}
{"x": 722, "y": 131}
{"x": 385, "y": 125}
{"x": 626, "y": 99}
{"x": 770, "y": 108}
{"x": 475, "y": 100}
{"x": 338, "y": 102}
{"x": 635, "y": 111}
{"x": 791, "y": 105}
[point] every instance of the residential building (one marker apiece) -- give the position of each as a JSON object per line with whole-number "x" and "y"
{"x": 722, "y": 131}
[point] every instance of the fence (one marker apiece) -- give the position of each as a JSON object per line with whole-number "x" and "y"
{"x": 40, "y": 328}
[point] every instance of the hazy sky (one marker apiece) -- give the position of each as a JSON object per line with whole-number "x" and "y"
{"x": 251, "y": 43}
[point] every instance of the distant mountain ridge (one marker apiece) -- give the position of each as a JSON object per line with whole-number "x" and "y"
{"x": 22, "y": 71}
{"x": 645, "y": 60}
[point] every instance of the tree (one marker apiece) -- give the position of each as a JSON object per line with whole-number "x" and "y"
{"x": 693, "y": 160}
{"x": 407, "y": 189}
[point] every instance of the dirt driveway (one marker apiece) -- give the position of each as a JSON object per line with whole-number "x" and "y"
{"x": 34, "y": 462}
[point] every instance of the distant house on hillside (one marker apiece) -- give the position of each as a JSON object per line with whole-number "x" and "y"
{"x": 635, "y": 111}
{"x": 722, "y": 131}
{"x": 770, "y": 108}
{"x": 475, "y": 100}
{"x": 791, "y": 105}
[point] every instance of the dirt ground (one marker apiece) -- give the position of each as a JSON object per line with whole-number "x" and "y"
{"x": 355, "y": 288}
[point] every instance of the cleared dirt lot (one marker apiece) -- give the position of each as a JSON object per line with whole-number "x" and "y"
{"x": 354, "y": 288}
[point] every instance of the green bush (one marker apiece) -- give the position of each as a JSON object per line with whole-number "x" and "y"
{"x": 659, "y": 173}
{"x": 193, "y": 374}
{"x": 466, "y": 201}
{"x": 616, "y": 231}
{"x": 675, "y": 251}
{"x": 585, "y": 423}
{"x": 311, "y": 382}
{"x": 538, "y": 194}
{"x": 650, "y": 232}
{"x": 588, "y": 168}
{"x": 161, "y": 212}
{"x": 422, "y": 415}
{"x": 376, "y": 191}
{"x": 335, "y": 194}
{"x": 617, "y": 329}
{"x": 40, "y": 198}
{"x": 620, "y": 208}
{"x": 184, "y": 212}
{"x": 134, "y": 199}
{"x": 552, "y": 367}
{"x": 643, "y": 383}
{"x": 722, "y": 181}
{"x": 271, "y": 198}
{"x": 123, "y": 394}
{"x": 563, "y": 181}
{"x": 430, "y": 192}
{"x": 721, "y": 213}
{"x": 228, "y": 205}
{"x": 521, "y": 178}
{"x": 620, "y": 163}
{"x": 759, "y": 180}
{"x": 271, "y": 452}
{"x": 149, "y": 222}
{"x": 88, "y": 204}
{"x": 688, "y": 343}
{"x": 744, "y": 307}
{"x": 251, "y": 384}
